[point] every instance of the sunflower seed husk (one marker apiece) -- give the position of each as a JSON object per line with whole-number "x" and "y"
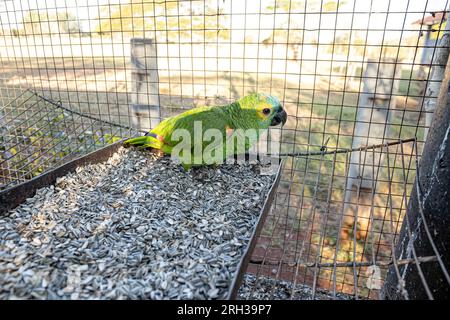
{"x": 134, "y": 227}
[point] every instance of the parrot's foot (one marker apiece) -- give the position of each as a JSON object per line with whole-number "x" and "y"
{"x": 215, "y": 166}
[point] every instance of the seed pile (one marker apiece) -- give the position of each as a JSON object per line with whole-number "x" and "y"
{"x": 134, "y": 227}
{"x": 271, "y": 289}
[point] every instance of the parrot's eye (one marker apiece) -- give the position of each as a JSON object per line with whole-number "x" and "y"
{"x": 266, "y": 111}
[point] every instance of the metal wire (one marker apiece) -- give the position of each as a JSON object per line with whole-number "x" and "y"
{"x": 40, "y": 134}
{"x": 351, "y": 74}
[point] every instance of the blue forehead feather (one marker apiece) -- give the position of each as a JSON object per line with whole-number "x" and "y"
{"x": 272, "y": 100}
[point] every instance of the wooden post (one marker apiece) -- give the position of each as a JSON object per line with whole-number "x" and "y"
{"x": 4, "y": 170}
{"x": 372, "y": 124}
{"x": 425, "y": 228}
{"x": 145, "y": 103}
{"x": 426, "y": 51}
{"x": 439, "y": 61}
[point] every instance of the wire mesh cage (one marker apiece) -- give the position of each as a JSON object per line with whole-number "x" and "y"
{"x": 39, "y": 134}
{"x": 320, "y": 237}
{"x": 355, "y": 77}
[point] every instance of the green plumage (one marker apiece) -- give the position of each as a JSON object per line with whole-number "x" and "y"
{"x": 256, "y": 111}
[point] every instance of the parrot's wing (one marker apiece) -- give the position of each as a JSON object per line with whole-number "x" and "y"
{"x": 195, "y": 122}
{"x": 207, "y": 128}
{"x": 210, "y": 135}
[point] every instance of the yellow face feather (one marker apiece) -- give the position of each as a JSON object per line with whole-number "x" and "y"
{"x": 264, "y": 110}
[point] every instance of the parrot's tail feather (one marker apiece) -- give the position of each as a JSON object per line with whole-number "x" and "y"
{"x": 138, "y": 141}
{"x": 144, "y": 146}
{"x": 143, "y": 142}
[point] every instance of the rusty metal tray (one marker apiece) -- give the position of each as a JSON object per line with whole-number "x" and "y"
{"x": 15, "y": 195}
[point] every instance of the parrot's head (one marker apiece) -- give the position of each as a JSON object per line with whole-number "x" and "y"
{"x": 268, "y": 108}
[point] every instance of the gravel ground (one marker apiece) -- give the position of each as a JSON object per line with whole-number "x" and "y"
{"x": 134, "y": 227}
{"x": 271, "y": 289}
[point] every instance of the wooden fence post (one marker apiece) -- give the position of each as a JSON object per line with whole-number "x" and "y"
{"x": 425, "y": 228}
{"x": 434, "y": 84}
{"x": 372, "y": 125}
{"x": 145, "y": 103}
{"x": 4, "y": 171}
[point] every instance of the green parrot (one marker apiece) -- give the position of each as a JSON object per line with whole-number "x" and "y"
{"x": 208, "y": 135}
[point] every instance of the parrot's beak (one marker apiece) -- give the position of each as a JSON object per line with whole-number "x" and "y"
{"x": 280, "y": 117}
